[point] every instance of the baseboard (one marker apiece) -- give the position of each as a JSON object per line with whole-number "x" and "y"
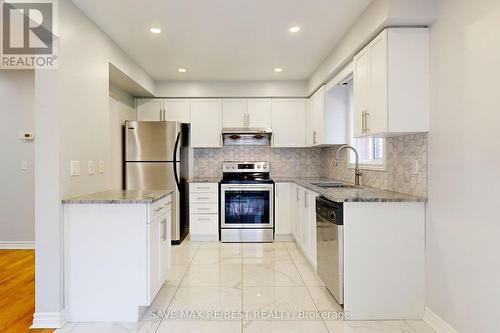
{"x": 284, "y": 238}
{"x": 48, "y": 320}
{"x": 204, "y": 238}
{"x": 437, "y": 323}
{"x": 17, "y": 245}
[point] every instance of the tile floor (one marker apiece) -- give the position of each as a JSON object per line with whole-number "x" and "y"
{"x": 271, "y": 284}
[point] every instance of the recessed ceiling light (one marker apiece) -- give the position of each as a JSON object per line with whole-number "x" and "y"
{"x": 294, "y": 29}
{"x": 182, "y": 70}
{"x": 155, "y": 30}
{"x": 278, "y": 70}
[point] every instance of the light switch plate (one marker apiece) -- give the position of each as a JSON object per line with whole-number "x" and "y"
{"x": 101, "y": 166}
{"x": 24, "y": 165}
{"x": 74, "y": 168}
{"x": 416, "y": 167}
{"x": 91, "y": 167}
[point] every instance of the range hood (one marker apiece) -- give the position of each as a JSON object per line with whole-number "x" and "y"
{"x": 246, "y": 136}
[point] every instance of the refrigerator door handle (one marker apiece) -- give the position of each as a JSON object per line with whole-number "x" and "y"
{"x": 176, "y": 176}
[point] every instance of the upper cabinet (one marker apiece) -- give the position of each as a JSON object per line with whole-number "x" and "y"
{"x": 234, "y": 112}
{"x": 259, "y": 112}
{"x": 148, "y": 109}
{"x": 288, "y": 122}
{"x": 177, "y": 109}
{"x": 391, "y": 84}
{"x": 160, "y": 109}
{"x": 206, "y": 123}
{"x": 326, "y": 114}
{"x": 244, "y": 113}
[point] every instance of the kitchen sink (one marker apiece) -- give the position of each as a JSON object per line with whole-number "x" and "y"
{"x": 334, "y": 185}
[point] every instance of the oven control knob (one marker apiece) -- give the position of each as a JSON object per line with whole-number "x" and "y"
{"x": 258, "y": 166}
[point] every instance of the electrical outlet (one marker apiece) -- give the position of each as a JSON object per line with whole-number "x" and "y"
{"x": 101, "y": 166}
{"x": 416, "y": 167}
{"x": 75, "y": 168}
{"x": 91, "y": 167}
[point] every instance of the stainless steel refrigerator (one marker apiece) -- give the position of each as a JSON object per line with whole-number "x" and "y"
{"x": 157, "y": 158}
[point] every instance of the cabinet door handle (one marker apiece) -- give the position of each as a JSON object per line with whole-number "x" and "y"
{"x": 164, "y": 230}
{"x": 366, "y": 122}
{"x": 306, "y": 199}
{"x": 203, "y": 208}
{"x": 297, "y": 195}
{"x": 314, "y": 137}
{"x": 158, "y": 209}
{"x": 203, "y": 198}
{"x": 203, "y": 219}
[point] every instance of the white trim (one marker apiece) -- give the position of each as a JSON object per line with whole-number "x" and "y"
{"x": 204, "y": 238}
{"x": 48, "y": 320}
{"x": 284, "y": 238}
{"x": 17, "y": 245}
{"x": 437, "y": 323}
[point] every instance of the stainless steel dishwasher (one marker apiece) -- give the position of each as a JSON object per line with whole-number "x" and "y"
{"x": 330, "y": 245}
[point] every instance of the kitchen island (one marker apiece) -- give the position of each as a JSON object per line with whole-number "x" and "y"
{"x": 116, "y": 253}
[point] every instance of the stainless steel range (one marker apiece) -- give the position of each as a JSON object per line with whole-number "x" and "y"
{"x": 247, "y": 202}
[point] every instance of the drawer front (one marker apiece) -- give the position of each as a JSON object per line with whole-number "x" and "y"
{"x": 159, "y": 208}
{"x": 198, "y": 197}
{"x": 204, "y": 187}
{"x": 204, "y": 224}
{"x": 203, "y": 208}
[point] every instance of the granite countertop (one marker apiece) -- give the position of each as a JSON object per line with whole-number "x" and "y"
{"x": 119, "y": 197}
{"x": 361, "y": 194}
{"x": 205, "y": 180}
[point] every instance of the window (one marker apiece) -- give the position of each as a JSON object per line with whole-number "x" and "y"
{"x": 371, "y": 150}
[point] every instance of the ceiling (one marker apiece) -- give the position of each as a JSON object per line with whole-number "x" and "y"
{"x": 225, "y": 39}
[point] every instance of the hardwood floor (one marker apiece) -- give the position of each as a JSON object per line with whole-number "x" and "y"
{"x": 17, "y": 291}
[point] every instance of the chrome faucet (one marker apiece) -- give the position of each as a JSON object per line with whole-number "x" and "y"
{"x": 357, "y": 173}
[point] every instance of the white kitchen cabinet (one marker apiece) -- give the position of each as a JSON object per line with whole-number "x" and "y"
{"x": 154, "y": 235}
{"x": 206, "y": 123}
{"x": 325, "y": 118}
{"x": 288, "y": 122}
{"x": 149, "y": 109}
{"x": 165, "y": 245}
{"x": 303, "y": 221}
{"x": 160, "y": 109}
{"x": 204, "y": 211}
{"x": 177, "y": 109}
{"x": 116, "y": 256}
{"x": 259, "y": 112}
{"x": 282, "y": 216}
{"x": 294, "y": 219}
{"x": 391, "y": 84}
{"x": 311, "y": 223}
{"x": 234, "y": 112}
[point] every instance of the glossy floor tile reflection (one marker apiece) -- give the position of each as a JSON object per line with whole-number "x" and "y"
{"x": 243, "y": 288}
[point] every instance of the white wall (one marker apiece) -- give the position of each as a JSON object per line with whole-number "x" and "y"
{"x": 17, "y": 189}
{"x": 121, "y": 108}
{"x": 231, "y": 88}
{"x": 377, "y": 16}
{"x": 463, "y": 227}
{"x": 72, "y": 120}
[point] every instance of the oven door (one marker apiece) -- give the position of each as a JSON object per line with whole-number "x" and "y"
{"x": 247, "y": 206}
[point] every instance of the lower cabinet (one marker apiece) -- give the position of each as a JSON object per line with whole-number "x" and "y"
{"x": 282, "y": 213}
{"x": 204, "y": 211}
{"x": 159, "y": 243}
{"x": 116, "y": 257}
{"x": 295, "y": 213}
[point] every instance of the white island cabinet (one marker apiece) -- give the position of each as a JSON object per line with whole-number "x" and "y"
{"x": 116, "y": 253}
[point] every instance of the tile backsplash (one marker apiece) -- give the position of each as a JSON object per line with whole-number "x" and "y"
{"x": 318, "y": 162}
{"x": 401, "y": 152}
{"x": 285, "y": 162}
